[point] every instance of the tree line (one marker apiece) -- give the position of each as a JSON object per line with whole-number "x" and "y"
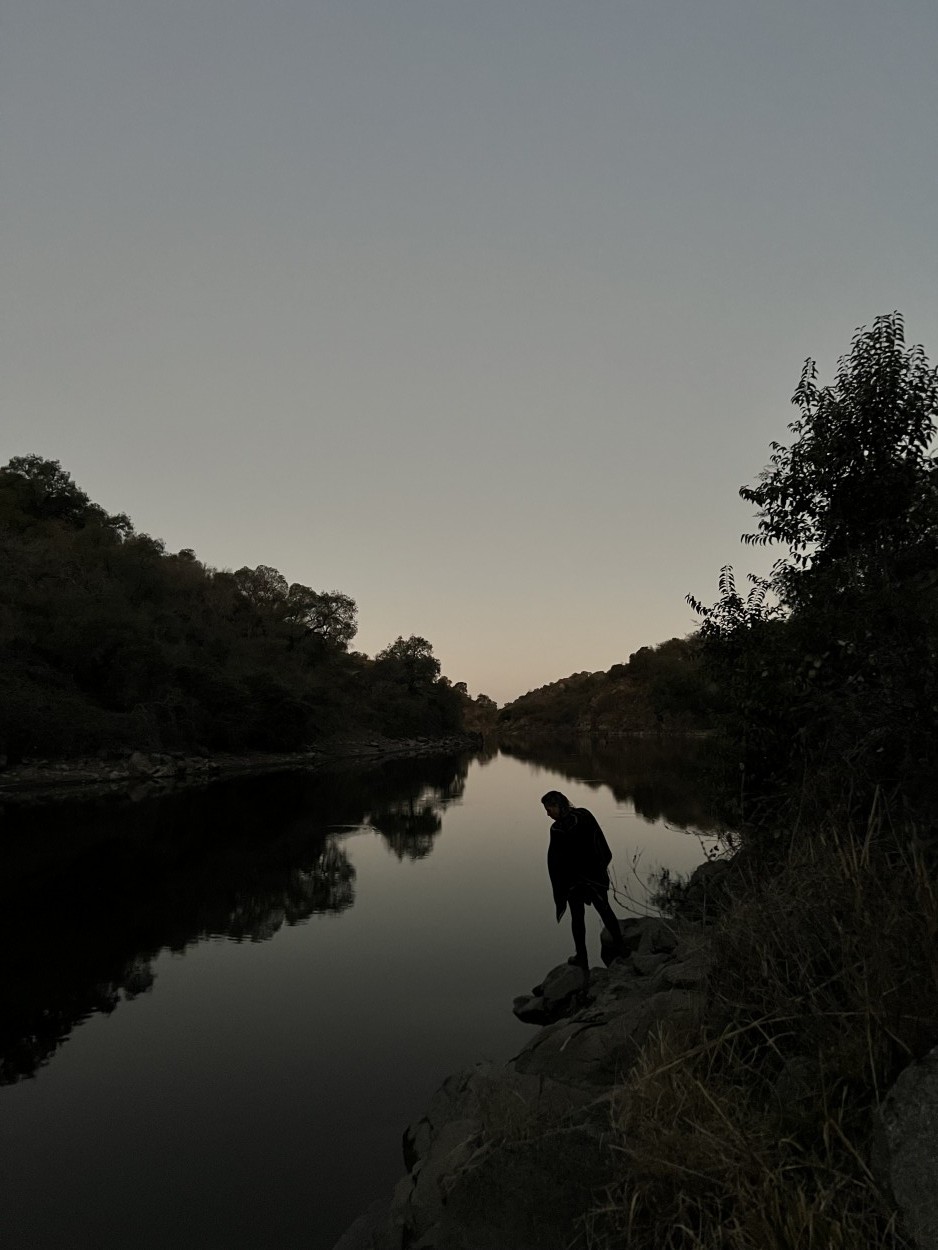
{"x": 108, "y": 642}
{"x": 663, "y": 688}
{"x": 828, "y": 666}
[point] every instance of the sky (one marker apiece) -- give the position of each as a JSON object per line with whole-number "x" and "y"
{"x": 478, "y": 311}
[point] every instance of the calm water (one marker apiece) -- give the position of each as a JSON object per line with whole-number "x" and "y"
{"x": 221, "y": 1008}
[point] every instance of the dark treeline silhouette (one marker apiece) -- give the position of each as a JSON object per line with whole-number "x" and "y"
{"x": 90, "y": 893}
{"x": 110, "y": 642}
{"x": 662, "y": 688}
{"x": 829, "y": 666}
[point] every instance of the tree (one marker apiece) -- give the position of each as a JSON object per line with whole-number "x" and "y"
{"x": 329, "y": 616}
{"x": 264, "y": 587}
{"x": 834, "y": 656}
{"x": 411, "y": 660}
{"x": 34, "y": 489}
{"x": 854, "y": 495}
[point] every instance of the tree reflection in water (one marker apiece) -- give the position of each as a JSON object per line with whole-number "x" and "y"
{"x": 325, "y": 885}
{"x": 409, "y": 824}
{"x": 91, "y": 893}
{"x": 664, "y": 778}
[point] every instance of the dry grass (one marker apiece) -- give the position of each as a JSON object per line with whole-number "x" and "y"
{"x": 756, "y": 1133}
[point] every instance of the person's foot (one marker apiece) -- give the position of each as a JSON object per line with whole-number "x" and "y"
{"x": 579, "y": 961}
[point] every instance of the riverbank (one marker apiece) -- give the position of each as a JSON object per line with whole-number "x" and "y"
{"x": 765, "y": 1076}
{"x": 50, "y": 780}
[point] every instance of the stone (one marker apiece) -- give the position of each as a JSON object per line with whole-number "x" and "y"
{"x": 456, "y": 1098}
{"x": 688, "y": 968}
{"x": 630, "y": 931}
{"x": 706, "y": 893}
{"x": 422, "y": 1206}
{"x": 507, "y": 1154}
{"x": 364, "y": 1234}
{"x": 645, "y": 964}
{"x": 657, "y": 936}
{"x": 595, "y": 1047}
{"x": 559, "y": 993}
{"x": 140, "y": 765}
{"x": 907, "y": 1148}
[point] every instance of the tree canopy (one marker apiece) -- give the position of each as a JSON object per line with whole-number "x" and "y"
{"x": 834, "y": 656}
{"x": 108, "y": 641}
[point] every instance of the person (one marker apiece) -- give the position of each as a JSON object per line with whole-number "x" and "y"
{"x": 577, "y": 862}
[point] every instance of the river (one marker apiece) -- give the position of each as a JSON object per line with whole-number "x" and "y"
{"x": 222, "y": 1006}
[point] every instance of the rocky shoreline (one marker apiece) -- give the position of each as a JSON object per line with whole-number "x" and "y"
{"x": 510, "y": 1156}
{"x": 45, "y": 780}
{"x": 506, "y": 1157}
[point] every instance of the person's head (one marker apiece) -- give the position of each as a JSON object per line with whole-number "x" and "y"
{"x": 556, "y": 804}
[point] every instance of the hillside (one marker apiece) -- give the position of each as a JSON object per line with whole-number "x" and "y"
{"x": 660, "y": 689}
{"x": 109, "y": 642}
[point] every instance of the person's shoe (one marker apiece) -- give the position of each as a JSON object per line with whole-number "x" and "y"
{"x": 579, "y": 961}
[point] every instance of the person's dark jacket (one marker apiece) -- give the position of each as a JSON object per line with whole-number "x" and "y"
{"x": 577, "y": 857}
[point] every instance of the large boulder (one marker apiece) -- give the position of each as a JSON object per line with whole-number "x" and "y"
{"x": 563, "y": 990}
{"x": 907, "y": 1149}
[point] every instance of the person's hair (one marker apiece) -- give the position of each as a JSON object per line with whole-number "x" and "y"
{"x": 556, "y": 799}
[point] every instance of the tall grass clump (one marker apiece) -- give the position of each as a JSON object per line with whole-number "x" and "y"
{"x": 757, "y": 1132}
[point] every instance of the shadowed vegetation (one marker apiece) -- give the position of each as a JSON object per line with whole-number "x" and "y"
{"x": 758, "y": 1129}
{"x": 108, "y": 641}
{"x": 661, "y": 689}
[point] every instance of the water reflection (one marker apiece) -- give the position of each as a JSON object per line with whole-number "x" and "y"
{"x": 91, "y": 893}
{"x": 411, "y": 822}
{"x": 663, "y": 778}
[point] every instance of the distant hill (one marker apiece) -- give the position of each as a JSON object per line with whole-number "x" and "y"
{"x": 661, "y": 688}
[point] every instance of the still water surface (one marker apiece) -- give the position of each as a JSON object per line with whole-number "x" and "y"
{"x": 223, "y": 1006}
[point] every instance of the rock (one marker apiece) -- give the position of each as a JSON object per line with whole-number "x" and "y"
{"x": 657, "y": 936}
{"x": 907, "y": 1148}
{"x": 688, "y": 968}
{"x": 419, "y": 1205}
{"x": 562, "y": 989}
{"x": 508, "y": 1154}
{"x": 706, "y": 893}
{"x": 522, "y": 1195}
{"x": 595, "y": 1047}
{"x": 645, "y": 964}
{"x": 630, "y": 932}
{"x": 140, "y": 765}
{"x": 456, "y": 1098}
{"x": 475, "y": 1160}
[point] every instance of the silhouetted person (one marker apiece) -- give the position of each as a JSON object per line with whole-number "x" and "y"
{"x": 577, "y": 862}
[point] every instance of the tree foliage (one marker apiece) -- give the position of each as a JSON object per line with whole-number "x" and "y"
{"x": 661, "y": 687}
{"x": 108, "y": 641}
{"x": 833, "y": 659}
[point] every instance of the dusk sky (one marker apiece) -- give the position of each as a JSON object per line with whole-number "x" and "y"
{"x": 478, "y": 312}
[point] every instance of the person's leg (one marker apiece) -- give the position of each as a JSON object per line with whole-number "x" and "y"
{"x": 578, "y": 925}
{"x": 609, "y": 918}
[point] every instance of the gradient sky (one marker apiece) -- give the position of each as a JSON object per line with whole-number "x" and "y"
{"x": 480, "y": 312}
